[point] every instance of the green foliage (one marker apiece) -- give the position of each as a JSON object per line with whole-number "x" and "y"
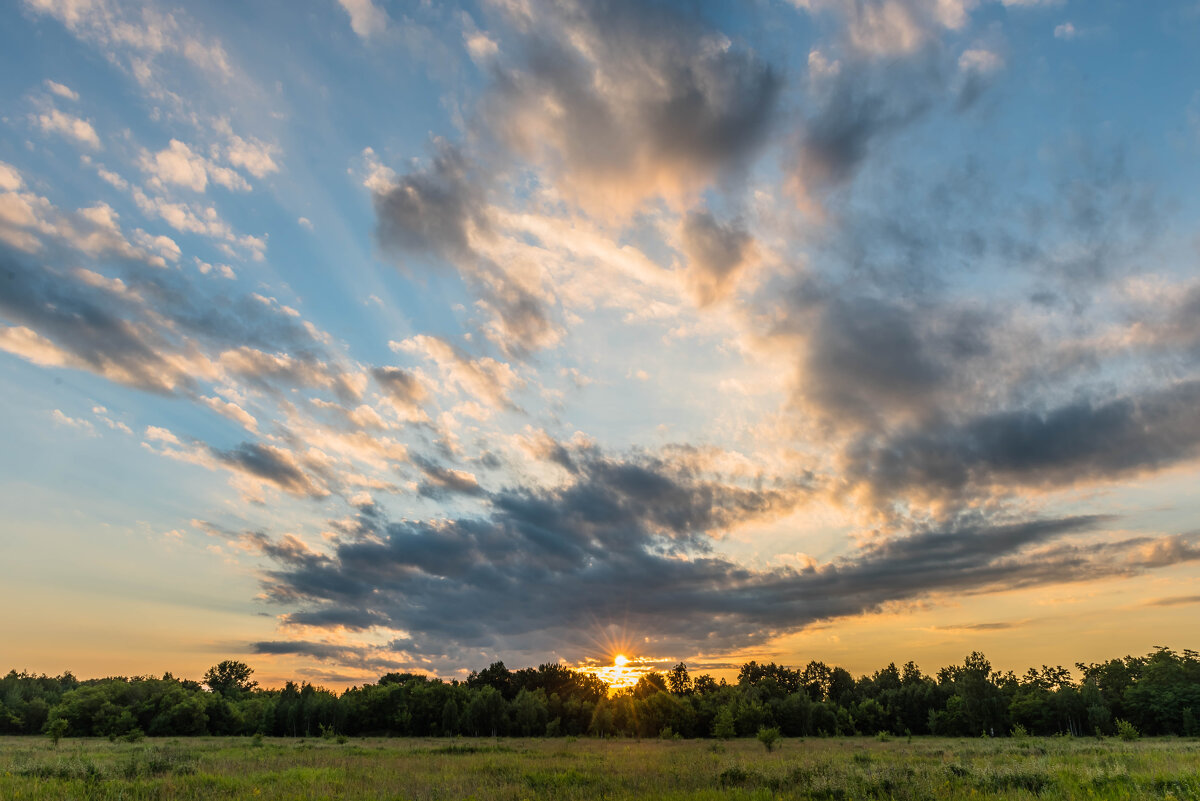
{"x": 769, "y": 737}
{"x": 230, "y": 678}
{"x": 1127, "y": 731}
{"x": 1155, "y": 694}
{"x": 926, "y": 770}
{"x": 723, "y": 727}
{"x": 56, "y": 730}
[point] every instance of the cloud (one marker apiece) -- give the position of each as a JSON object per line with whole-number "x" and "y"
{"x": 272, "y": 465}
{"x": 855, "y": 109}
{"x": 157, "y": 434}
{"x": 55, "y": 121}
{"x": 405, "y": 392}
{"x": 177, "y": 164}
{"x": 196, "y": 218}
{"x": 629, "y": 540}
{"x": 441, "y": 481}
{"x": 623, "y": 102}
{"x": 865, "y": 361}
{"x": 252, "y": 155}
{"x": 366, "y": 18}
{"x": 1072, "y": 444}
{"x": 65, "y": 322}
{"x": 1176, "y": 600}
{"x": 61, "y": 90}
{"x": 716, "y": 253}
{"x": 1000, "y": 626}
{"x": 612, "y": 515}
{"x": 433, "y": 210}
{"x": 889, "y": 28}
{"x": 441, "y": 211}
{"x": 80, "y": 425}
{"x": 232, "y": 411}
{"x": 1065, "y": 31}
{"x": 140, "y": 33}
{"x": 10, "y": 178}
{"x": 485, "y": 379}
{"x": 980, "y": 60}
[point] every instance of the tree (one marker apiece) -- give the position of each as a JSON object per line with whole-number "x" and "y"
{"x": 768, "y": 737}
{"x": 449, "y": 718}
{"x": 55, "y": 730}
{"x": 678, "y": 680}
{"x": 230, "y": 678}
{"x": 723, "y": 726}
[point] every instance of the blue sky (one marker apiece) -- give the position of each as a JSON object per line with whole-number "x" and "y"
{"x": 353, "y": 336}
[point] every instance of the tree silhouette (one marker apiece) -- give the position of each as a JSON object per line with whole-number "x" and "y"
{"x": 230, "y": 678}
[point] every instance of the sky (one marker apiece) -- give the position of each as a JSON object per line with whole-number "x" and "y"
{"x": 347, "y": 336}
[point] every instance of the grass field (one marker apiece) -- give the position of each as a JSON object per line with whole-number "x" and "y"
{"x": 486, "y": 769}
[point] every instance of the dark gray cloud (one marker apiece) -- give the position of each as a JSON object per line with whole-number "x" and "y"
{"x": 432, "y": 210}
{"x": 154, "y": 329}
{"x": 400, "y": 384}
{"x": 93, "y": 326}
{"x": 715, "y": 252}
{"x": 866, "y": 361}
{"x": 272, "y": 465}
{"x": 632, "y": 99}
{"x": 442, "y": 211}
{"x": 441, "y": 481}
{"x": 1070, "y": 444}
{"x": 1000, "y": 626}
{"x": 363, "y": 658}
{"x": 855, "y": 110}
{"x": 1176, "y": 600}
{"x": 626, "y": 541}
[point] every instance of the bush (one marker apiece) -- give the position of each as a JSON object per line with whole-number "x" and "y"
{"x": 723, "y": 724}
{"x": 769, "y": 737}
{"x": 1127, "y": 731}
{"x": 1019, "y": 732}
{"x": 56, "y": 730}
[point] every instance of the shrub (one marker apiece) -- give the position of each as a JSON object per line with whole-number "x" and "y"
{"x": 769, "y": 737}
{"x": 735, "y": 776}
{"x": 723, "y": 724}
{"x": 56, "y": 730}
{"x": 1127, "y": 731}
{"x": 1019, "y": 732}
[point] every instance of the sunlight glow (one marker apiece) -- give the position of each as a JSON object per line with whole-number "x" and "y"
{"x": 622, "y": 674}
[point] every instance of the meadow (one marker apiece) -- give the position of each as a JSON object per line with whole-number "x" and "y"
{"x": 839, "y": 769}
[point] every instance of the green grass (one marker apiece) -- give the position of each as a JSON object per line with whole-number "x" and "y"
{"x": 925, "y": 769}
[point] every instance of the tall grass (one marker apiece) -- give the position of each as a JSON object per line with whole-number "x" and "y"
{"x": 924, "y": 769}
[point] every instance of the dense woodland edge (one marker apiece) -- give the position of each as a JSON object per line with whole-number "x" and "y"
{"x": 1156, "y": 694}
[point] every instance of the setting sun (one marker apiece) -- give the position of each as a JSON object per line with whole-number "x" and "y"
{"x": 623, "y": 673}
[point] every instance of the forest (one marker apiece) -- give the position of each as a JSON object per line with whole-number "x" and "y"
{"x": 1155, "y": 694}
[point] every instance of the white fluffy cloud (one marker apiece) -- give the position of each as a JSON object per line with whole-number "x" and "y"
{"x": 55, "y": 121}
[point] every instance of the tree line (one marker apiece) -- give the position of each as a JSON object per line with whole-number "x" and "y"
{"x": 1155, "y": 694}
